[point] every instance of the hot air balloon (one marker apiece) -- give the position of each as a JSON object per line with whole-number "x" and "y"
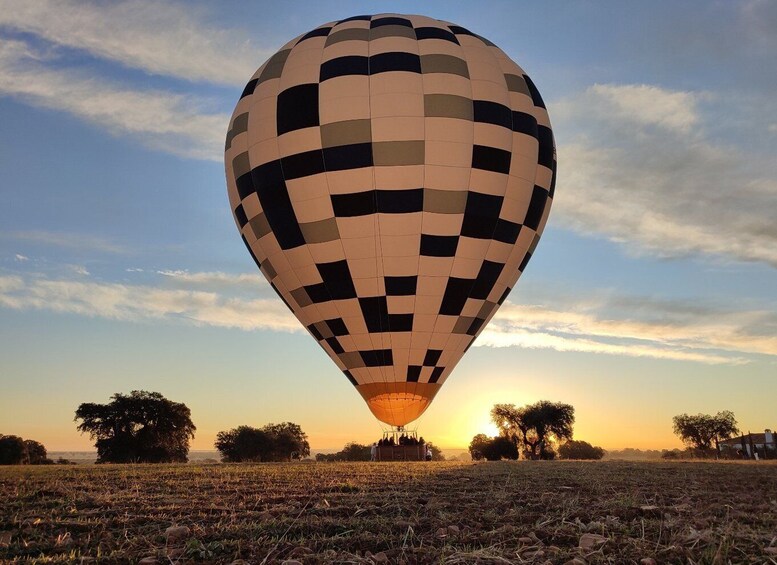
{"x": 391, "y": 176}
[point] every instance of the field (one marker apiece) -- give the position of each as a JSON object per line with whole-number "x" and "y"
{"x": 525, "y": 512}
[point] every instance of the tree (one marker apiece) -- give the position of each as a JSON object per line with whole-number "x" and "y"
{"x": 244, "y": 443}
{"x": 535, "y": 426}
{"x": 574, "y": 449}
{"x": 36, "y": 453}
{"x": 142, "y": 427}
{"x": 12, "y": 450}
{"x": 351, "y": 452}
{"x": 288, "y": 441}
{"x": 437, "y": 454}
{"x": 492, "y": 448}
{"x": 702, "y": 431}
{"x": 273, "y": 442}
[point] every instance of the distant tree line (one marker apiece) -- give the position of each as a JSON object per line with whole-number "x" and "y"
{"x": 534, "y": 431}
{"x": 351, "y": 452}
{"x": 17, "y": 451}
{"x": 357, "y": 452}
{"x": 273, "y": 442}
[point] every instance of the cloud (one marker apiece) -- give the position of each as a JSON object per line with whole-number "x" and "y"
{"x": 645, "y": 105}
{"x": 68, "y": 241}
{"x": 637, "y": 327}
{"x": 636, "y": 166}
{"x": 613, "y": 325}
{"x": 166, "y": 38}
{"x": 166, "y": 121}
{"x": 215, "y": 278}
{"x": 144, "y": 303}
{"x": 21, "y": 258}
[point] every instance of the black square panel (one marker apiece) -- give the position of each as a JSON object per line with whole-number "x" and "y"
{"x": 489, "y": 112}
{"x": 318, "y": 293}
{"x": 343, "y": 66}
{"x": 490, "y": 159}
{"x": 377, "y": 357}
{"x": 439, "y": 245}
{"x": 354, "y": 204}
{"x": 335, "y": 345}
{"x": 435, "y": 33}
{"x": 251, "y": 251}
{"x": 375, "y": 313}
{"x": 277, "y": 207}
{"x": 507, "y": 231}
{"x": 525, "y": 262}
{"x": 266, "y": 175}
{"x": 456, "y": 294}
{"x": 320, "y": 32}
{"x": 545, "y": 137}
{"x": 432, "y": 356}
{"x": 314, "y": 331}
{"x": 350, "y": 378}
{"x": 250, "y": 87}
{"x": 481, "y": 215}
{"x": 302, "y": 164}
{"x": 436, "y": 374}
{"x": 245, "y": 185}
{"x": 475, "y": 326}
{"x": 401, "y": 286}
{"x": 486, "y": 279}
{"x": 400, "y": 201}
{"x": 390, "y": 21}
{"x": 553, "y": 181}
{"x": 337, "y": 326}
{"x": 395, "y": 61}
{"x": 337, "y": 279}
{"x": 535, "y": 94}
{"x": 297, "y": 108}
{"x": 539, "y": 198}
{"x": 413, "y": 373}
{"x": 525, "y": 123}
{"x": 400, "y": 323}
{"x": 344, "y": 157}
{"x": 240, "y": 215}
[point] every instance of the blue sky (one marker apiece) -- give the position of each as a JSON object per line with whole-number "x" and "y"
{"x": 653, "y": 291}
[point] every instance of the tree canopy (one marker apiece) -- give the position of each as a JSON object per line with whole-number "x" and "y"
{"x": 351, "y": 452}
{"x": 535, "y": 427}
{"x": 576, "y": 449}
{"x": 11, "y": 450}
{"x": 141, "y": 427}
{"x": 17, "y": 451}
{"x": 492, "y": 448}
{"x": 704, "y": 431}
{"x": 273, "y": 442}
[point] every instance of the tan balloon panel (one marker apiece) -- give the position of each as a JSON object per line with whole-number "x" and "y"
{"x": 391, "y": 176}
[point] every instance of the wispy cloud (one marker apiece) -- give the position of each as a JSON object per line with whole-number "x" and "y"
{"x": 143, "y": 303}
{"x": 21, "y": 258}
{"x": 636, "y": 327}
{"x": 615, "y": 325}
{"x": 636, "y": 166}
{"x": 68, "y": 240}
{"x": 166, "y": 121}
{"x": 167, "y": 38}
{"x": 215, "y": 278}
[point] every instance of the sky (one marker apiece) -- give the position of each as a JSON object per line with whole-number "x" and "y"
{"x": 652, "y": 293}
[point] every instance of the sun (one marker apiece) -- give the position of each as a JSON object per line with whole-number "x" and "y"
{"x": 486, "y": 426}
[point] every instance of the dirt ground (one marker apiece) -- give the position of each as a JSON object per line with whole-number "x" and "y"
{"x": 511, "y": 512}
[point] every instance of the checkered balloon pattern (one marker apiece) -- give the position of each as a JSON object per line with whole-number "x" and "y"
{"x": 391, "y": 176}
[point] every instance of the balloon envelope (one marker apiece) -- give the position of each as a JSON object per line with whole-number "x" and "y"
{"x": 391, "y": 176}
